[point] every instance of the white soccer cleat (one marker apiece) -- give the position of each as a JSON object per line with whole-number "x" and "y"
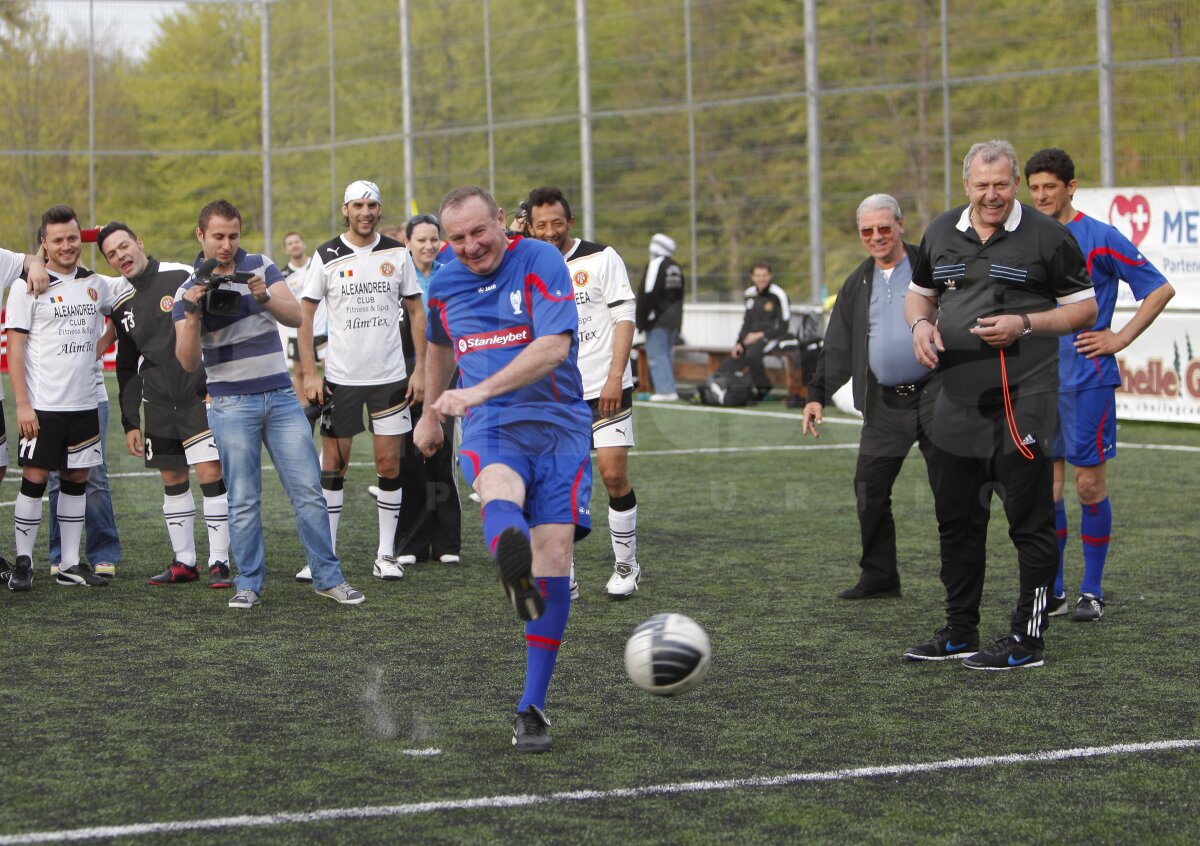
{"x": 449, "y": 558}
{"x": 304, "y": 575}
{"x": 373, "y": 490}
{"x": 624, "y": 580}
{"x": 388, "y": 569}
{"x": 406, "y": 560}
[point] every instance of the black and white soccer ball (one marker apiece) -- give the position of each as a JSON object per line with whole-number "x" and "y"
{"x": 668, "y": 654}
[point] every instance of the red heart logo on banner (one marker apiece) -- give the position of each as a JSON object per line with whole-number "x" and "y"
{"x": 1131, "y": 215}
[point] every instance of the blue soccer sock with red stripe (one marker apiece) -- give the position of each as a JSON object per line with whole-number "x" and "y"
{"x": 498, "y": 515}
{"x": 542, "y": 638}
{"x": 1060, "y": 528}
{"x": 1095, "y": 530}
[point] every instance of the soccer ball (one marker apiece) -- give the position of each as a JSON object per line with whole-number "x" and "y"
{"x": 667, "y": 655}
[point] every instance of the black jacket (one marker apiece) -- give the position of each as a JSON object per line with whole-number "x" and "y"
{"x": 146, "y": 362}
{"x": 845, "y": 352}
{"x": 662, "y": 307}
{"x": 767, "y": 311}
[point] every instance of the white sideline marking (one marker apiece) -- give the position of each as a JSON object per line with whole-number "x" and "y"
{"x": 526, "y": 800}
{"x": 422, "y": 753}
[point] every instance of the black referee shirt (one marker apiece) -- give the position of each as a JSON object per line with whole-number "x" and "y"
{"x": 1031, "y": 264}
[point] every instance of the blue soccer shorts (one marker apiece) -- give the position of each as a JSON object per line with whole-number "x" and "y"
{"x": 1087, "y": 426}
{"x": 554, "y": 463}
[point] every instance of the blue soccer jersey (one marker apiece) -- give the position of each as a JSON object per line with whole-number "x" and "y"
{"x": 1110, "y": 258}
{"x": 489, "y": 320}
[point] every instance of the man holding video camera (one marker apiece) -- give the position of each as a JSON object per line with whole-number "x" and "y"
{"x": 227, "y": 313}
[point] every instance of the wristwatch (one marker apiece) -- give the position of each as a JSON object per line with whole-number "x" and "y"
{"x": 1028, "y": 330}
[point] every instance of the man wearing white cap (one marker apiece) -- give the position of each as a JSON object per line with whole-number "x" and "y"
{"x": 364, "y": 279}
{"x": 660, "y": 314}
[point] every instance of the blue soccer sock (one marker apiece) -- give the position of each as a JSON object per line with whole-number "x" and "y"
{"x": 1095, "y": 530}
{"x": 498, "y": 515}
{"x": 1060, "y": 528}
{"x": 542, "y": 638}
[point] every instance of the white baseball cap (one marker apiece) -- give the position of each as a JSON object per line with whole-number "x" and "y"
{"x": 360, "y": 189}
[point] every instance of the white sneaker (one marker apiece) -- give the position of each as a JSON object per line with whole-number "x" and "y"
{"x": 574, "y": 584}
{"x": 343, "y": 594}
{"x": 624, "y": 580}
{"x": 373, "y": 490}
{"x": 304, "y": 575}
{"x": 449, "y": 558}
{"x": 406, "y": 560}
{"x": 671, "y": 397}
{"x": 244, "y": 598}
{"x": 388, "y": 569}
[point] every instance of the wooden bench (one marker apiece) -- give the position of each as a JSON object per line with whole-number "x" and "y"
{"x": 695, "y": 363}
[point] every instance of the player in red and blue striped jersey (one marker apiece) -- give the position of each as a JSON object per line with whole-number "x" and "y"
{"x": 504, "y": 311}
{"x": 1088, "y": 373}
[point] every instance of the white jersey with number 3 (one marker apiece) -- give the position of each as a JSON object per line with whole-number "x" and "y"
{"x": 600, "y": 282}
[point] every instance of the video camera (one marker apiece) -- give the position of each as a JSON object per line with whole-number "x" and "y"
{"x": 218, "y": 300}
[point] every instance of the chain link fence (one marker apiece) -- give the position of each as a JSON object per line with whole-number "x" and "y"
{"x": 697, "y": 118}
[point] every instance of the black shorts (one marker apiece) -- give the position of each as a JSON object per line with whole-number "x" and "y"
{"x": 177, "y": 436}
{"x": 293, "y": 347}
{"x": 66, "y": 440}
{"x": 387, "y": 409}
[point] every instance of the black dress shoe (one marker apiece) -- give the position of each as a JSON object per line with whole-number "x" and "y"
{"x": 860, "y": 592}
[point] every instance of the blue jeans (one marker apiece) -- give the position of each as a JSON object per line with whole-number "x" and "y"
{"x": 103, "y": 543}
{"x": 659, "y": 344}
{"x": 241, "y": 424}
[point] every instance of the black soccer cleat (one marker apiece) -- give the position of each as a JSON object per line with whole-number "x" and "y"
{"x": 21, "y": 578}
{"x": 218, "y": 576}
{"x": 531, "y": 730}
{"x": 80, "y": 575}
{"x": 514, "y": 565}
{"x": 174, "y": 574}
{"x": 1088, "y": 608}
{"x": 943, "y": 646}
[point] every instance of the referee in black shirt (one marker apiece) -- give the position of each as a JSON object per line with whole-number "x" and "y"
{"x": 994, "y": 284}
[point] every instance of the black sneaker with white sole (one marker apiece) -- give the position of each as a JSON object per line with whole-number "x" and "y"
{"x": 79, "y": 575}
{"x": 531, "y": 730}
{"x": 945, "y": 645}
{"x": 1007, "y": 653}
{"x": 514, "y": 565}
{"x": 1059, "y": 606}
{"x": 21, "y": 577}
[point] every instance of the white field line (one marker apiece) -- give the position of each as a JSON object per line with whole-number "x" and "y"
{"x": 527, "y": 800}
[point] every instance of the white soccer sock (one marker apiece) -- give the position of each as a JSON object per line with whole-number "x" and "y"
{"x": 333, "y": 504}
{"x": 70, "y": 527}
{"x": 27, "y": 518}
{"x": 622, "y": 528}
{"x": 216, "y": 517}
{"x": 179, "y": 510}
{"x": 387, "y": 506}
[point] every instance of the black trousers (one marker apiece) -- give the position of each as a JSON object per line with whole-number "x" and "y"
{"x": 891, "y": 426}
{"x": 752, "y": 361}
{"x": 974, "y": 456}
{"x": 430, "y": 523}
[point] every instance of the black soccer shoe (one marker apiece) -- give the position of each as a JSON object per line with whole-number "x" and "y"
{"x": 943, "y": 646}
{"x": 514, "y": 564}
{"x": 1007, "y": 653}
{"x": 5, "y": 569}
{"x": 531, "y": 730}
{"x": 21, "y": 578}
{"x": 80, "y": 575}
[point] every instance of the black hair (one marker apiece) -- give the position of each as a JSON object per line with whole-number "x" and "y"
{"x": 547, "y": 197}
{"x": 1051, "y": 160}
{"x": 109, "y": 229}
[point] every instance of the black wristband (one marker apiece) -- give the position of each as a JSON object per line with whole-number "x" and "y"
{"x": 1028, "y": 325}
{"x": 189, "y": 306}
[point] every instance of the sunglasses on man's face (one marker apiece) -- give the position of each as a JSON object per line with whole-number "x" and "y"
{"x": 868, "y": 231}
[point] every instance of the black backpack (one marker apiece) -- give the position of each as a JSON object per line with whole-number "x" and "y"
{"x": 727, "y": 389}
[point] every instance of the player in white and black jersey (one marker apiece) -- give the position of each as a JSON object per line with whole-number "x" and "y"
{"x": 154, "y": 385}
{"x": 364, "y": 279}
{"x": 14, "y": 266}
{"x": 607, "y": 310}
{"x": 294, "y": 273}
{"x": 52, "y": 360}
